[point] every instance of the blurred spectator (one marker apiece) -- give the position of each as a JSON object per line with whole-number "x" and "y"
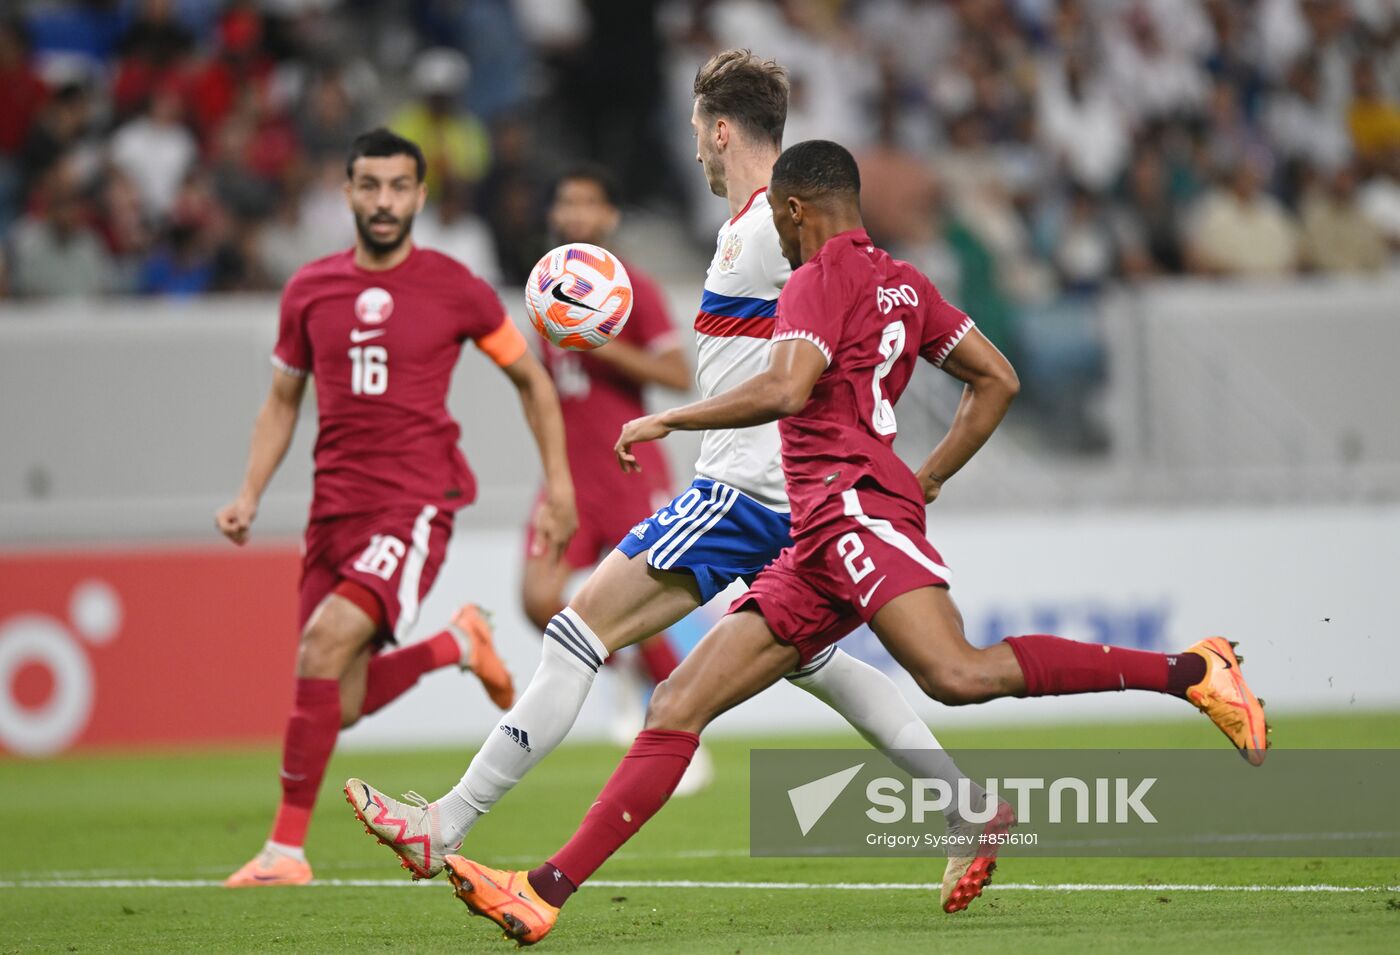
{"x": 448, "y": 225}
{"x": 63, "y": 127}
{"x": 185, "y": 260}
{"x": 1232, "y": 137}
{"x": 156, "y": 150}
{"x": 611, "y": 91}
{"x": 1373, "y": 118}
{"x": 54, "y": 250}
{"x": 1302, "y": 126}
{"x": 309, "y": 223}
{"x": 1079, "y": 122}
{"x": 1232, "y": 58}
{"x": 122, "y": 223}
{"x": 1337, "y": 235}
{"x": 1152, "y": 79}
{"x": 88, "y": 29}
{"x": 981, "y": 200}
{"x": 234, "y": 173}
{"x": 454, "y": 142}
{"x": 1028, "y": 151}
{"x": 22, "y": 93}
{"x": 282, "y": 245}
{"x": 323, "y": 217}
{"x": 491, "y": 37}
{"x": 1239, "y": 230}
{"x": 182, "y": 264}
{"x": 239, "y": 70}
{"x": 1146, "y": 221}
{"x": 238, "y": 264}
{"x": 1081, "y": 242}
{"x": 897, "y": 190}
{"x": 328, "y": 119}
{"x": 1380, "y": 197}
{"x": 152, "y": 53}
{"x": 509, "y": 201}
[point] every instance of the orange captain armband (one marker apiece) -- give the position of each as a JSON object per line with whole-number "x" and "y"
{"x": 505, "y": 345}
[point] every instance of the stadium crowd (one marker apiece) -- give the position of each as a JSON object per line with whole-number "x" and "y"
{"x": 1025, "y": 153}
{"x": 1020, "y": 149}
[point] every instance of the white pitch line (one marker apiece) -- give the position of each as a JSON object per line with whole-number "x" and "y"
{"x": 692, "y": 884}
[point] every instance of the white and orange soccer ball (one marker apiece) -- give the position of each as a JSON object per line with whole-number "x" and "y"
{"x": 579, "y": 296}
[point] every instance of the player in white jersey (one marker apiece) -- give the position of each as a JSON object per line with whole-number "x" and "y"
{"x": 728, "y": 525}
{"x": 732, "y": 332}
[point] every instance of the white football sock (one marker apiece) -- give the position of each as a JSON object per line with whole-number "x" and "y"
{"x": 281, "y": 848}
{"x": 530, "y": 730}
{"x": 871, "y": 703}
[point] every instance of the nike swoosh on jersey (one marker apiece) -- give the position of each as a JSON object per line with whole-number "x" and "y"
{"x": 865, "y": 600}
{"x": 365, "y": 334}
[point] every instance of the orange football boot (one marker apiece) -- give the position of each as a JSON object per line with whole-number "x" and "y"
{"x": 505, "y": 898}
{"x": 1224, "y": 696}
{"x": 270, "y": 867}
{"x": 473, "y": 632}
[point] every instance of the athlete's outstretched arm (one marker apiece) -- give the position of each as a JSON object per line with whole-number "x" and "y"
{"x": 991, "y": 386}
{"x": 794, "y": 365}
{"x": 556, "y": 520}
{"x": 272, "y": 435}
{"x": 666, "y": 368}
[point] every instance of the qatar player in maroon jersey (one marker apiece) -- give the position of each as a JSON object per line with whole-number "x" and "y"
{"x": 852, "y": 323}
{"x": 599, "y": 392}
{"x": 379, "y": 327}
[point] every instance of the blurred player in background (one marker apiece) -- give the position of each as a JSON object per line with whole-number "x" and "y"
{"x": 728, "y": 525}
{"x": 599, "y": 392}
{"x": 851, "y": 327}
{"x": 380, "y": 326}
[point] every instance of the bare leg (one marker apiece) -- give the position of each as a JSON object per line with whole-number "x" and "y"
{"x": 735, "y": 661}
{"x": 353, "y": 684}
{"x": 542, "y": 588}
{"x": 922, "y": 629}
{"x": 626, "y": 600}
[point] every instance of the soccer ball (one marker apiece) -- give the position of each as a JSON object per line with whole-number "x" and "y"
{"x": 579, "y": 296}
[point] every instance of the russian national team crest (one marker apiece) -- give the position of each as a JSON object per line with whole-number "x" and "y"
{"x": 729, "y": 252}
{"x": 374, "y": 306}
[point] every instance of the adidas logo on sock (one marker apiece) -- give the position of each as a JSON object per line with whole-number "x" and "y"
{"x": 521, "y": 737}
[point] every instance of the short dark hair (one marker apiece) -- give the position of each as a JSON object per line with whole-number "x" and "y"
{"x": 589, "y": 172}
{"x": 380, "y": 143}
{"x": 752, "y": 92}
{"x": 816, "y": 169}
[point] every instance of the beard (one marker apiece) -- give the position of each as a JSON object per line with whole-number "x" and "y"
{"x": 715, "y": 179}
{"x": 379, "y": 246}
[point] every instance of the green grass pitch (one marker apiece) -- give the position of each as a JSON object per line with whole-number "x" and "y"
{"x": 195, "y": 817}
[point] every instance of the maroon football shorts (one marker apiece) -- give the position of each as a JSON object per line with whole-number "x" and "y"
{"x": 842, "y": 573}
{"x": 606, "y": 512}
{"x": 395, "y": 554}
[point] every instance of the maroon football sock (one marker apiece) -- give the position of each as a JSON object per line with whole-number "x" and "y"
{"x": 306, "y": 748}
{"x": 640, "y": 785}
{"x": 550, "y": 884}
{"x": 393, "y": 674}
{"x": 1054, "y": 666}
{"x": 659, "y": 657}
